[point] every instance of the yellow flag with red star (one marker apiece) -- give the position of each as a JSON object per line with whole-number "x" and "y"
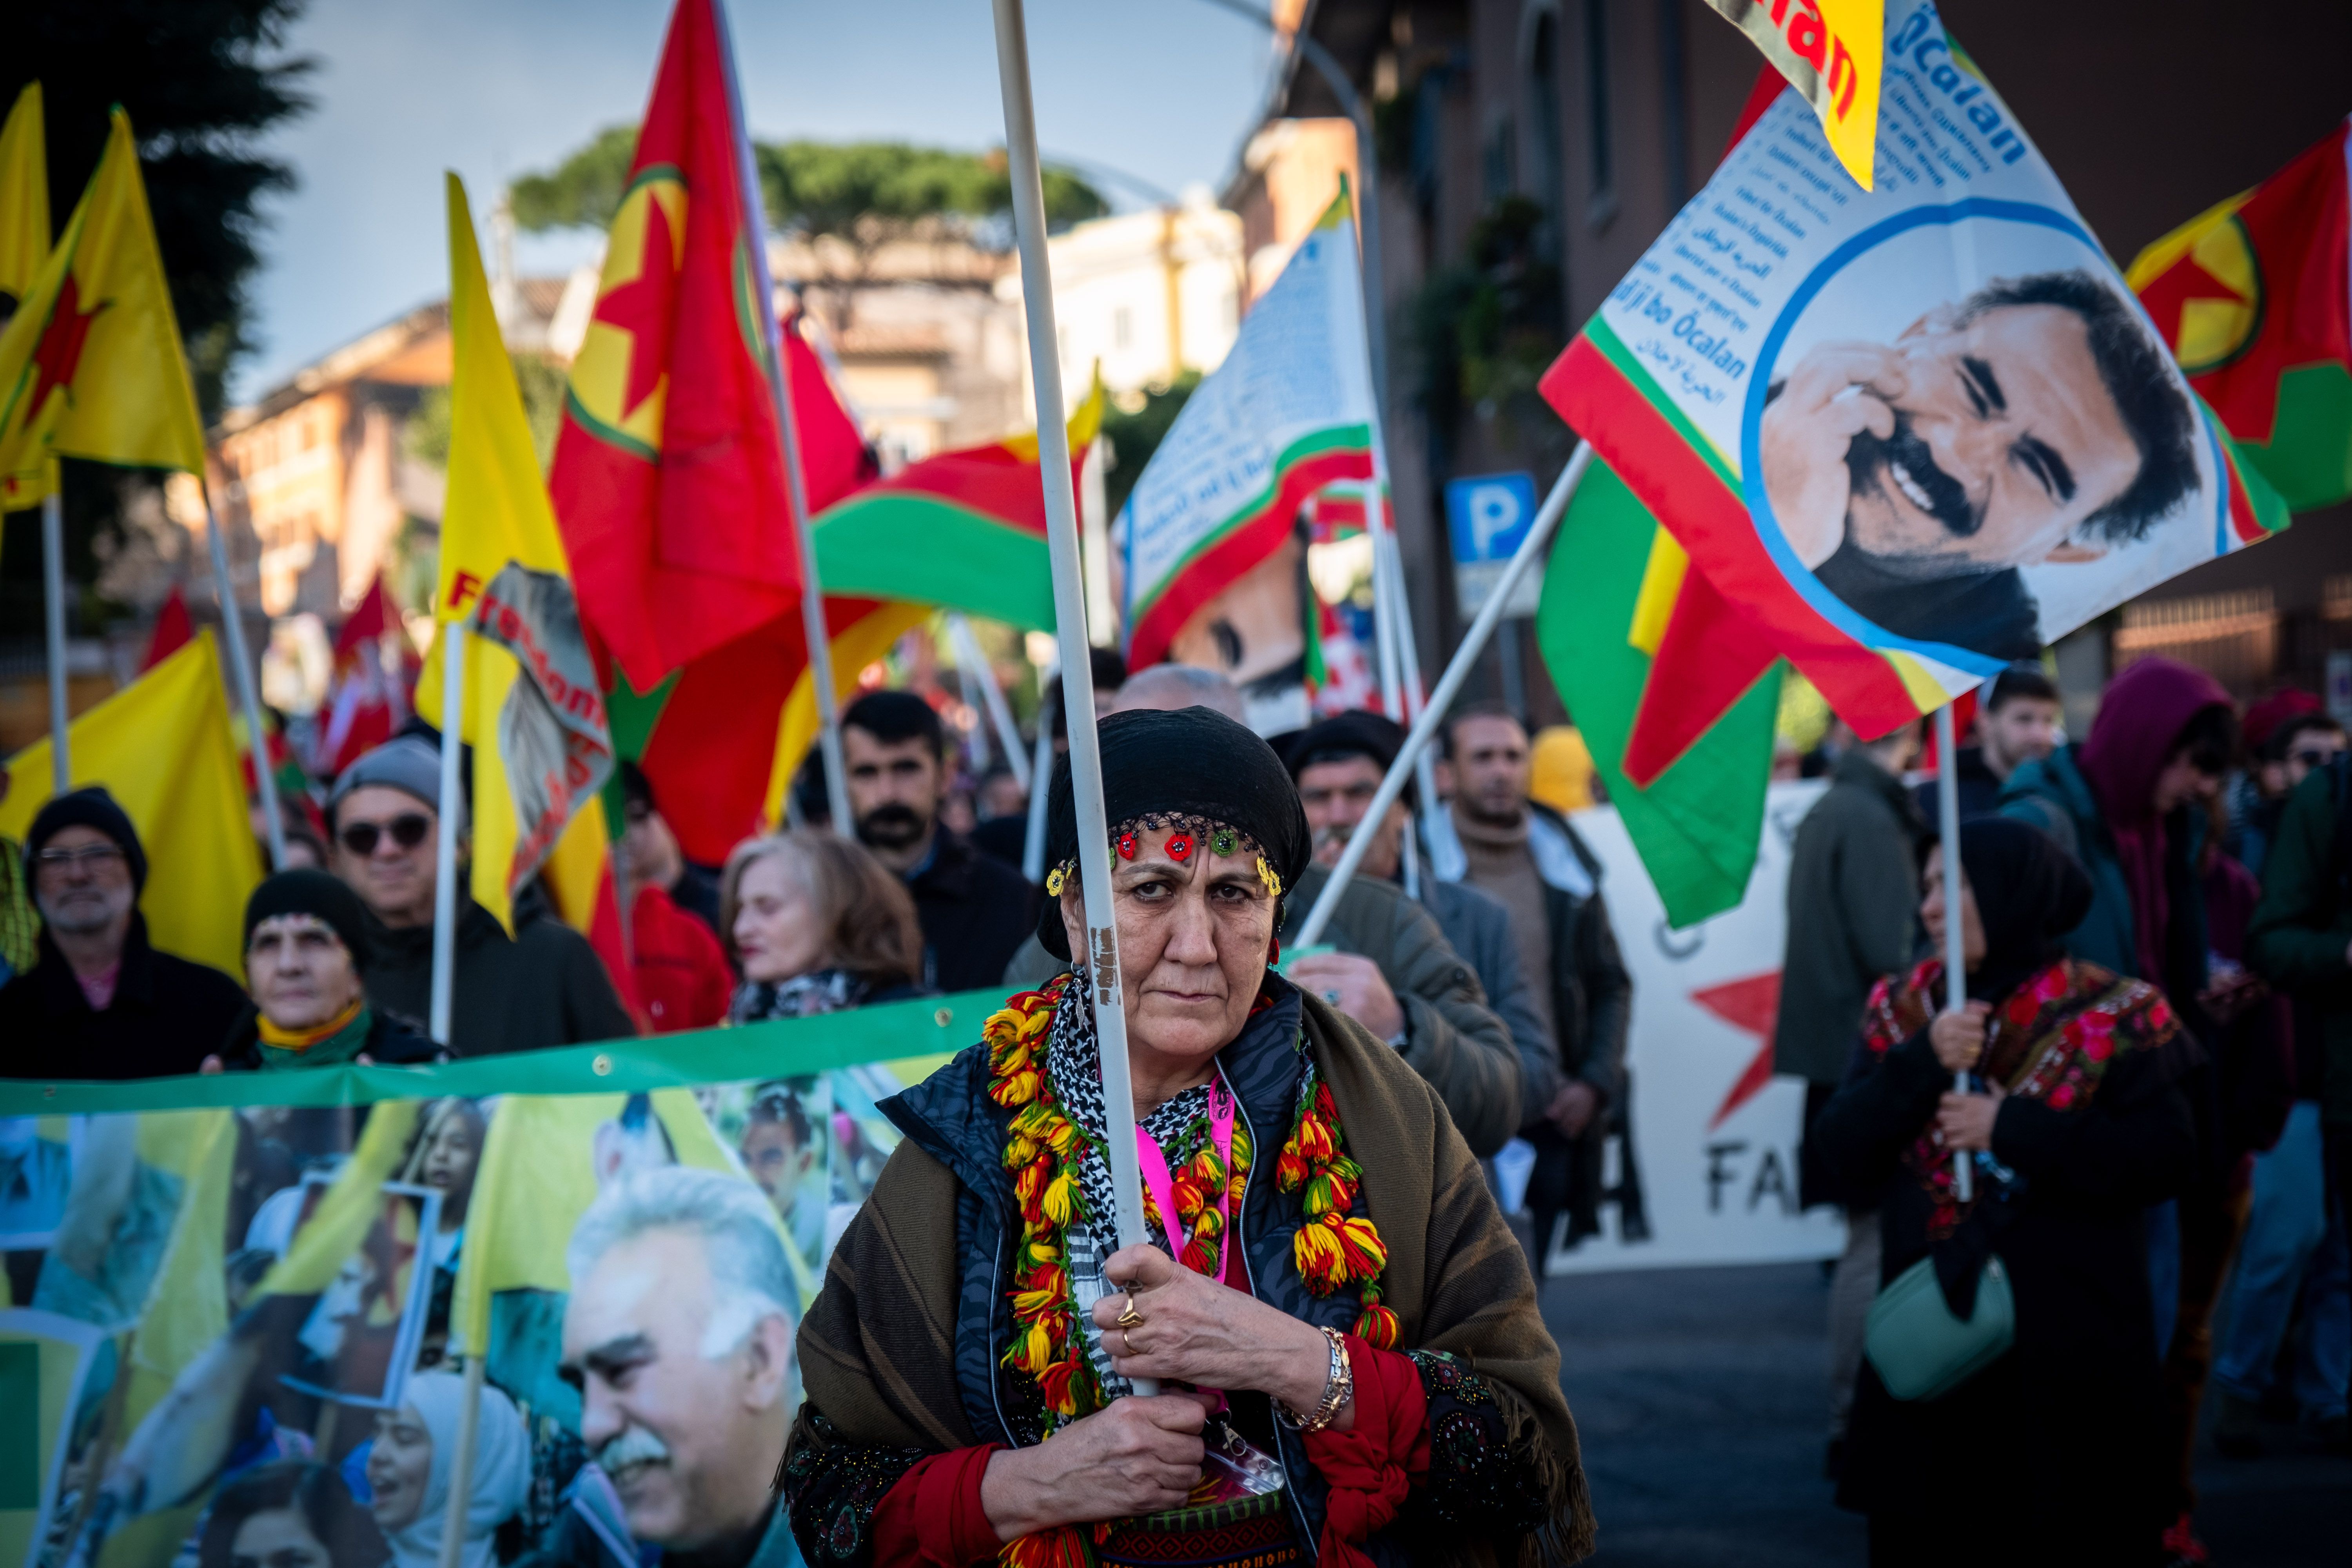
{"x": 24, "y": 198}
{"x": 90, "y": 364}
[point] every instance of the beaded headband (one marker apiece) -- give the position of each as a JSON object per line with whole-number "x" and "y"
{"x": 1188, "y": 833}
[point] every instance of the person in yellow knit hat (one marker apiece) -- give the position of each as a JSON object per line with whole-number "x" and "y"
{"x": 1560, "y": 766}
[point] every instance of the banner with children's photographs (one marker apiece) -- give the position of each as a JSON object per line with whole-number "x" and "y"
{"x": 232, "y": 1326}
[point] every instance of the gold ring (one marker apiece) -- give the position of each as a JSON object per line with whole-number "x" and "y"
{"x": 1130, "y": 1317}
{"x": 1126, "y": 1345}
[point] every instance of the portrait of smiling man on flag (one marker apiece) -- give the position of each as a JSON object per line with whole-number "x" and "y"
{"x": 2033, "y": 421}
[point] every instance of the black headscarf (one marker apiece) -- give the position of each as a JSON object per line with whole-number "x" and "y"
{"x": 309, "y": 891}
{"x": 1190, "y": 763}
{"x": 2030, "y": 893}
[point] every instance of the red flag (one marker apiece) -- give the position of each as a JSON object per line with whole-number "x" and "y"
{"x": 668, "y": 478}
{"x": 369, "y": 693}
{"x": 174, "y": 631}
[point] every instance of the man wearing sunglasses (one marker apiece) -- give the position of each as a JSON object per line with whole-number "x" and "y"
{"x": 100, "y": 1002}
{"x": 544, "y": 985}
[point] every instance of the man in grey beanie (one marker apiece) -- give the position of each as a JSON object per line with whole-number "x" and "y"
{"x": 544, "y": 985}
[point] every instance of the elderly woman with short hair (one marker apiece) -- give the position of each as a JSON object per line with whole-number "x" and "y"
{"x": 1345, "y": 1331}
{"x": 305, "y": 946}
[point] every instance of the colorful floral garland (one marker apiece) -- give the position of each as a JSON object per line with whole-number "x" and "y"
{"x": 1042, "y": 1149}
{"x": 1334, "y": 1247}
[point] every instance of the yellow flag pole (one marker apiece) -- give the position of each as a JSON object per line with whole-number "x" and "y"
{"x": 53, "y": 598}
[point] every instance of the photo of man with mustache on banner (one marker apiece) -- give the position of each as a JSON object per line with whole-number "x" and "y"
{"x": 266, "y": 1314}
{"x": 2035, "y": 421}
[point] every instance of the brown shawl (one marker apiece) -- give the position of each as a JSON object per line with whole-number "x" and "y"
{"x": 878, "y": 1353}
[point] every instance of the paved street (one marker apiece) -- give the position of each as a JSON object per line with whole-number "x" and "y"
{"x": 1699, "y": 1395}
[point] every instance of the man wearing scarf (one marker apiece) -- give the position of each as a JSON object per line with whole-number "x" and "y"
{"x": 1333, "y": 1261}
{"x": 306, "y": 947}
{"x": 2130, "y": 804}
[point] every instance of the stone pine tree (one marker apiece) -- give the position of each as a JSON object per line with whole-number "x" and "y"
{"x": 863, "y": 194}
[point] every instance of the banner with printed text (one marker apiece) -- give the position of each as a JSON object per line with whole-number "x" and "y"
{"x": 1918, "y": 431}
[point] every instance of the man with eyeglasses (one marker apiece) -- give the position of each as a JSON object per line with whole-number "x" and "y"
{"x": 100, "y": 1002}
{"x": 544, "y": 985}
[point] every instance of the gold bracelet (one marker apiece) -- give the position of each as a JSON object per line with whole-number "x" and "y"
{"x": 1339, "y": 1387}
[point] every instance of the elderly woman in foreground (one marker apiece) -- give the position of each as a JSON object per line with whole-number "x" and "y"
{"x": 1344, "y": 1331}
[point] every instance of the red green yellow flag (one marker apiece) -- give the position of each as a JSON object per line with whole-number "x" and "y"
{"x": 668, "y": 470}
{"x": 2255, "y": 298}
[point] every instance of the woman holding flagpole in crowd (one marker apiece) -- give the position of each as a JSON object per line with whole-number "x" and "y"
{"x": 2074, "y": 1124}
{"x": 1345, "y": 1331}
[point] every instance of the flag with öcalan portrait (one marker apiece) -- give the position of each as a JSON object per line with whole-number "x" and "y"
{"x": 668, "y": 473}
{"x": 2254, "y": 296}
{"x": 533, "y": 708}
{"x": 90, "y": 364}
{"x": 1290, "y": 411}
{"x": 1912, "y": 434}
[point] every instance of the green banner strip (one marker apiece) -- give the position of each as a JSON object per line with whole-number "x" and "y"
{"x": 784, "y": 1048}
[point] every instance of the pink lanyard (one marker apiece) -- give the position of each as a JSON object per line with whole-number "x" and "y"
{"x": 1163, "y": 1188}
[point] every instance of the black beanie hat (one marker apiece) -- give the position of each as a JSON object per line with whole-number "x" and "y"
{"x": 309, "y": 891}
{"x": 1190, "y": 763}
{"x": 89, "y": 806}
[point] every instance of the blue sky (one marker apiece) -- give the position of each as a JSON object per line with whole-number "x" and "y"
{"x": 1164, "y": 89}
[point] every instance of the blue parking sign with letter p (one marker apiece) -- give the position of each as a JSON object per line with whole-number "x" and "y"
{"x": 1486, "y": 517}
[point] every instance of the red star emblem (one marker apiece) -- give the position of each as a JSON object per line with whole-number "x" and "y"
{"x": 59, "y": 353}
{"x": 1751, "y": 1006}
{"x": 2183, "y": 281}
{"x": 643, "y": 307}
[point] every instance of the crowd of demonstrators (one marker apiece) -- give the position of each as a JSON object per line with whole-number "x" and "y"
{"x": 2147, "y": 1036}
{"x": 2130, "y": 802}
{"x": 2018, "y": 722}
{"x": 974, "y": 908}
{"x": 816, "y": 924}
{"x": 2287, "y": 735}
{"x": 2295, "y": 1250}
{"x": 1378, "y": 1444}
{"x": 2075, "y": 1122}
{"x": 1852, "y": 891}
{"x": 1338, "y": 765}
{"x": 1496, "y": 839}
{"x": 99, "y": 1001}
{"x": 541, "y": 986}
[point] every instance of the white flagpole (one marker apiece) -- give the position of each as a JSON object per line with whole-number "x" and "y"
{"x": 248, "y": 694}
{"x": 779, "y": 388}
{"x": 975, "y": 666}
{"x": 1457, "y": 670}
{"x": 461, "y": 1467}
{"x": 1955, "y": 979}
{"x": 1101, "y": 957}
{"x": 453, "y": 807}
{"x": 1041, "y": 773}
{"x": 53, "y": 599}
